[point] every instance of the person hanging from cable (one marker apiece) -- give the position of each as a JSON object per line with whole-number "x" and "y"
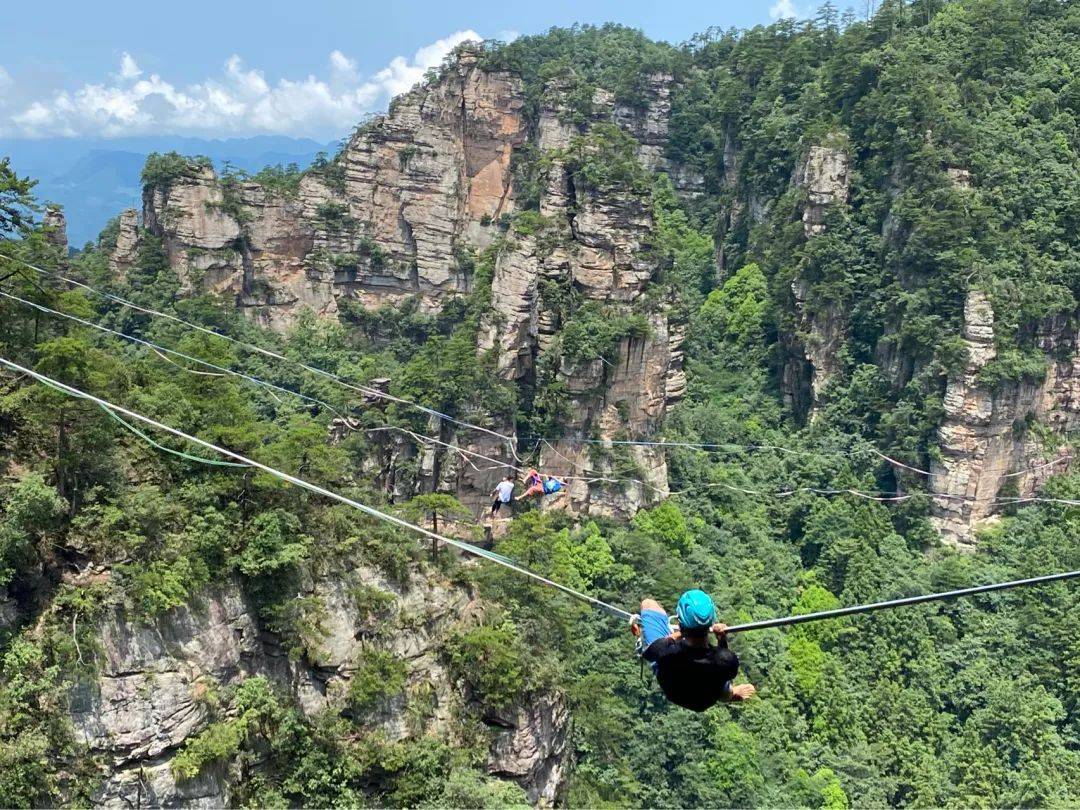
{"x": 553, "y": 485}
{"x": 691, "y": 672}
{"x": 503, "y": 492}
{"x": 534, "y": 485}
{"x": 540, "y": 485}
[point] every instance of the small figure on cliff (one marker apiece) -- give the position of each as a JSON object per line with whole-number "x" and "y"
{"x": 502, "y": 493}
{"x": 538, "y": 485}
{"x": 534, "y": 485}
{"x": 553, "y": 485}
{"x": 692, "y": 672}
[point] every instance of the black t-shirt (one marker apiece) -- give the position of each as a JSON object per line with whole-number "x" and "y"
{"x": 693, "y": 677}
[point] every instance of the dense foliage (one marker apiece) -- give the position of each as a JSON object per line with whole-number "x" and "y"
{"x": 974, "y": 703}
{"x": 16, "y": 201}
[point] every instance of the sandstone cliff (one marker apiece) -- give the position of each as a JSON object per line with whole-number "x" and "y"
{"x": 818, "y": 325}
{"x": 54, "y": 223}
{"x": 156, "y": 685}
{"x": 410, "y": 194}
{"x": 416, "y": 193}
{"x": 987, "y": 448}
{"x": 411, "y": 187}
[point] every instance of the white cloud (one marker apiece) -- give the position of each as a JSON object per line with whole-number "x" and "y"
{"x": 238, "y": 101}
{"x": 400, "y": 75}
{"x": 129, "y": 68}
{"x": 783, "y": 9}
{"x": 342, "y": 69}
{"x": 5, "y": 79}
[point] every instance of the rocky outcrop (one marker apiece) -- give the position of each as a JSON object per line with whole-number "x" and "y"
{"x": 122, "y": 257}
{"x": 820, "y": 332}
{"x": 158, "y": 683}
{"x": 824, "y": 176}
{"x": 411, "y": 196}
{"x": 433, "y": 172}
{"x": 54, "y": 225}
{"x": 415, "y": 185}
{"x": 960, "y": 178}
{"x": 153, "y": 693}
{"x": 818, "y": 329}
{"x": 533, "y": 748}
{"x": 627, "y": 397}
{"x": 985, "y": 447}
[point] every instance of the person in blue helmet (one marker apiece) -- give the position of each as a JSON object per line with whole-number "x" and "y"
{"x": 691, "y": 672}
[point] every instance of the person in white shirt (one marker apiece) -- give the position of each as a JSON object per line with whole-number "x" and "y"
{"x": 503, "y": 493}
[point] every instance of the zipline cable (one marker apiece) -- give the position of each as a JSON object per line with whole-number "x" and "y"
{"x": 904, "y": 602}
{"x": 511, "y": 440}
{"x": 363, "y": 389}
{"x": 469, "y": 548}
{"x": 884, "y": 497}
{"x": 504, "y": 561}
{"x": 157, "y": 349}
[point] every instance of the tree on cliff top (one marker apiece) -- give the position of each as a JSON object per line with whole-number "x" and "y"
{"x": 17, "y": 203}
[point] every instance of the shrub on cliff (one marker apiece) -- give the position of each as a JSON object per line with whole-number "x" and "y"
{"x": 491, "y": 662}
{"x": 162, "y": 170}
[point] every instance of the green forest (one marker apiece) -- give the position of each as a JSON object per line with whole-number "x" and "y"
{"x": 973, "y": 703}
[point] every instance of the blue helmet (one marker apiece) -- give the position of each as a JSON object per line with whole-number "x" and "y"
{"x": 696, "y": 610}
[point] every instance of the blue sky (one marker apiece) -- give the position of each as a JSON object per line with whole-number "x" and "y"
{"x": 311, "y": 68}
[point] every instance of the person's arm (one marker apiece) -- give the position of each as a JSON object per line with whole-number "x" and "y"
{"x": 728, "y": 664}
{"x": 720, "y": 631}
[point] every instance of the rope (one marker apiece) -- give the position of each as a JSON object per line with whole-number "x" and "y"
{"x": 468, "y": 548}
{"x": 882, "y": 497}
{"x": 213, "y": 462}
{"x": 504, "y": 561}
{"x": 895, "y": 603}
{"x": 499, "y": 463}
{"x": 363, "y": 389}
{"x": 736, "y": 448}
{"x": 159, "y": 349}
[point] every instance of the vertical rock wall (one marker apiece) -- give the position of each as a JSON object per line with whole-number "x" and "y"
{"x": 431, "y": 176}
{"x": 819, "y": 325}
{"x": 157, "y": 683}
{"x": 54, "y": 224}
{"x": 986, "y": 446}
{"x": 419, "y": 186}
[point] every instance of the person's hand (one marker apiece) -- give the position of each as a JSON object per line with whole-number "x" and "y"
{"x": 743, "y": 691}
{"x": 720, "y": 629}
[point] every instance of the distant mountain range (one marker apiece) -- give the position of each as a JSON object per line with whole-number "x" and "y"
{"x": 95, "y": 178}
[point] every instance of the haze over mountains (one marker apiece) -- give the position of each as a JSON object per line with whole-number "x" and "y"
{"x": 94, "y": 178}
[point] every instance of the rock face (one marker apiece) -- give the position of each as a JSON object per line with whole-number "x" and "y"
{"x": 414, "y": 186}
{"x": 818, "y": 331}
{"x": 157, "y": 681}
{"x": 984, "y": 447}
{"x": 532, "y": 749}
{"x": 813, "y": 358}
{"x": 122, "y": 257}
{"x": 595, "y": 243}
{"x": 824, "y": 177}
{"x": 414, "y": 192}
{"x": 152, "y": 695}
{"x": 54, "y": 223}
